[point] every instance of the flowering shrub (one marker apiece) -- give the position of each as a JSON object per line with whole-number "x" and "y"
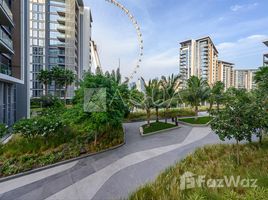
{"x": 40, "y": 126}
{"x": 3, "y": 130}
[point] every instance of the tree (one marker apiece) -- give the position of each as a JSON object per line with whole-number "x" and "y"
{"x": 197, "y": 91}
{"x": 147, "y": 103}
{"x": 258, "y": 115}
{"x": 57, "y": 75}
{"x": 109, "y": 119}
{"x": 170, "y": 87}
{"x": 261, "y": 78}
{"x": 45, "y": 78}
{"x": 233, "y": 120}
{"x": 216, "y": 94}
{"x": 157, "y": 97}
{"x": 69, "y": 78}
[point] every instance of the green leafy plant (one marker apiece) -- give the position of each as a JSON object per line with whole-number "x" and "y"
{"x": 3, "y": 130}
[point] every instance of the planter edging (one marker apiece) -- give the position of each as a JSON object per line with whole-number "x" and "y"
{"x": 157, "y": 132}
{"x": 14, "y": 176}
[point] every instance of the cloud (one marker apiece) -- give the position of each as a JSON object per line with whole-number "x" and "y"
{"x": 238, "y": 7}
{"x": 160, "y": 63}
{"x": 245, "y": 52}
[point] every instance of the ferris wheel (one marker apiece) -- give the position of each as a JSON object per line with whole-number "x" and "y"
{"x": 139, "y": 35}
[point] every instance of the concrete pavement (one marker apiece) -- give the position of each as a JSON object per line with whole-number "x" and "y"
{"x": 113, "y": 174}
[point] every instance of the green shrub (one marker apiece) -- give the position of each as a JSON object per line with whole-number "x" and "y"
{"x": 3, "y": 130}
{"x": 173, "y": 112}
{"x": 50, "y": 101}
{"x": 39, "y": 126}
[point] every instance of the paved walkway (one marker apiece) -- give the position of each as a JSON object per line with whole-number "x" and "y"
{"x": 110, "y": 175}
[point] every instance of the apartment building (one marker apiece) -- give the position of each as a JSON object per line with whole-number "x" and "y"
{"x": 199, "y": 58}
{"x": 265, "y": 56}
{"x": 13, "y": 74}
{"x": 226, "y": 73}
{"x": 244, "y": 78}
{"x": 60, "y": 34}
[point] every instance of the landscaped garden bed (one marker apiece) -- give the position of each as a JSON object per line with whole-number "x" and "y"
{"x": 21, "y": 154}
{"x": 196, "y": 121}
{"x": 214, "y": 162}
{"x": 174, "y": 112}
{"x": 156, "y": 127}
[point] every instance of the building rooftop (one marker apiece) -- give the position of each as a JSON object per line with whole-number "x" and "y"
{"x": 266, "y": 43}
{"x": 221, "y": 61}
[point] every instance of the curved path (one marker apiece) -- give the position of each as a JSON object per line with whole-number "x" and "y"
{"x": 113, "y": 174}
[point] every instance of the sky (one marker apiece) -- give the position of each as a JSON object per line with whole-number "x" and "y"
{"x": 237, "y": 28}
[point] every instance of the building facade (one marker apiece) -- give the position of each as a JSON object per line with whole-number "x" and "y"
{"x": 60, "y": 32}
{"x": 265, "y": 56}
{"x": 226, "y": 73}
{"x": 13, "y": 74}
{"x": 244, "y": 79}
{"x": 198, "y": 58}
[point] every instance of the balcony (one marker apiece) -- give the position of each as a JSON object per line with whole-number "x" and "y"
{"x": 5, "y": 69}
{"x": 61, "y": 37}
{"x": 6, "y": 17}
{"x": 61, "y": 13}
{"x": 61, "y": 28}
{"x": 6, "y": 44}
{"x": 61, "y": 20}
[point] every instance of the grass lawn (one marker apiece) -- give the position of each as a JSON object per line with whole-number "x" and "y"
{"x": 156, "y": 126}
{"x": 214, "y": 162}
{"x": 200, "y": 120}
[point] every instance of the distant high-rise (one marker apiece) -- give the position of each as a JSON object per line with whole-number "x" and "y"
{"x": 226, "y": 73}
{"x": 13, "y": 78}
{"x": 60, "y": 34}
{"x": 265, "y": 56}
{"x": 199, "y": 58}
{"x": 244, "y": 79}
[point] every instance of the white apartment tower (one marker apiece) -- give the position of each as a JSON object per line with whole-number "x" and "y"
{"x": 60, "y": 34}
{"x": 226, "y": 73}
{"x": 244, "y": 79}
{"x": 199, "y": 58}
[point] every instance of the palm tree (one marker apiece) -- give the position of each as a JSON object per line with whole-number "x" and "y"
{"x": 197, "y": 91}
{"x": 45, "y": 78}
{"x": 157, "y": 97}
{"x": 58, "y": 76}
{"x": 216, "y": 95}
{"x": 218, "y": 90}
{"x": 147, "y": 103}
{"x": 170, "y": 88}
{"x": 69, "y": 78}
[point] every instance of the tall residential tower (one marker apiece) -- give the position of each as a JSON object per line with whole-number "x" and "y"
{"x": 13, "y": 76}
{"x": 244, "y": 79}
{"x": 60, "y": 34}
{"x": 199, "y": 58}
{"x": 226, "y": 73}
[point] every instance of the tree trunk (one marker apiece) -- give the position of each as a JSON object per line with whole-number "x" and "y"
{"x": 166, "y": 111}
{"x": 148, "y": 111}
{"x": 218, "y": 107}
{"x": 237, "y": 153}
{"x": 157, "y": 114}
{"x": 196, "y": 112}
{"x": 210, "y": 107}
{"x": 95, "y": 139}
{"x": 260, "y": 137}
{"x": 55, "y": 89}
{"x": 46, "y": 89}
{"x": 65, "y": 94}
